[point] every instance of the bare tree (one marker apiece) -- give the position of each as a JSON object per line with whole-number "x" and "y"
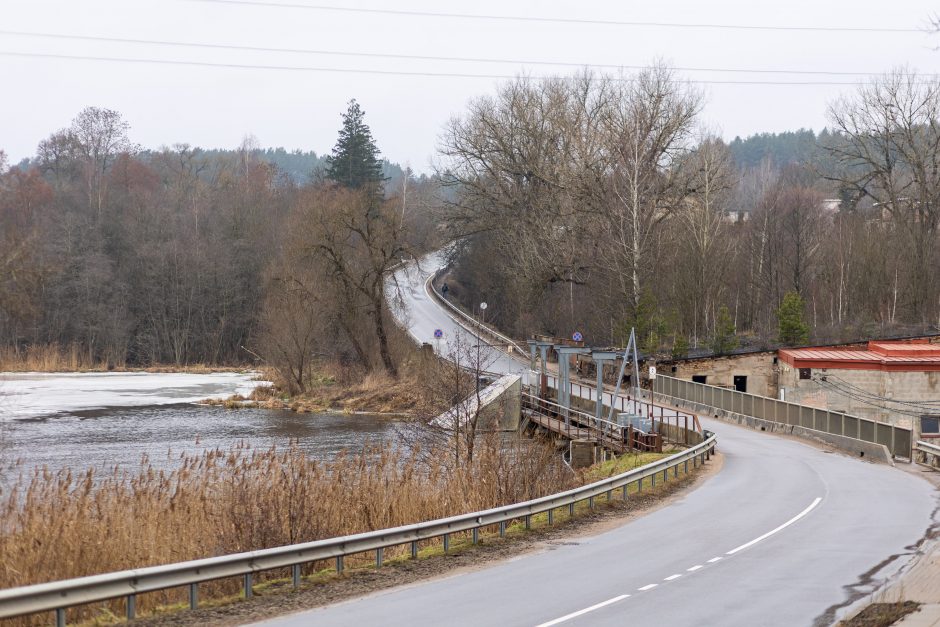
{"x": 888, "y": 143}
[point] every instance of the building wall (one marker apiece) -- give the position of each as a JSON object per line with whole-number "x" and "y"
{"x": 759, "y": 368}
{"x": 915, "y": 386}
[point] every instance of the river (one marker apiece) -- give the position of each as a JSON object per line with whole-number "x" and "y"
{"x": 106, "y": 419}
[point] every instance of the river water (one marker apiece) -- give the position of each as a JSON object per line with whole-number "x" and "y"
{"x": 102, "y": 420}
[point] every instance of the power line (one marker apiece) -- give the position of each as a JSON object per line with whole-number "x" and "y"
{"x": 296, "y": 68}
{"x": 562, "y": 20}
{"x": 212, "y": 46}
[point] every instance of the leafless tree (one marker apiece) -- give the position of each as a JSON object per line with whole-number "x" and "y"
{"x": 888, "y": 144}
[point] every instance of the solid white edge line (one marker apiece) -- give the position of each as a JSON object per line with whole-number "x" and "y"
{"x": 780, "y": 528}
{"x": 694, "y": 568}
{"x": 672, "y": 577}
{"x": 567, "y": 617}
{"x": 648, "y": 587}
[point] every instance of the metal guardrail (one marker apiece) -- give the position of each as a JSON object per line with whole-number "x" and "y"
{"x": 927, "y": 454}
{"x": 59, "y": 595}
{"x": 429, "y": 286}
{"x": 898, "y": 440}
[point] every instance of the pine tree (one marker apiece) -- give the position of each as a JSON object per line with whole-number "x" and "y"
{"x": 792, "y": 328}
{"x": 354, "y": 162}
{"x": 724, "y": 340}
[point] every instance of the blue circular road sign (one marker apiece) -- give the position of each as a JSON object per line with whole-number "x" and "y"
{"x": 438, "y": 334}
{"x": 577, "y": 337}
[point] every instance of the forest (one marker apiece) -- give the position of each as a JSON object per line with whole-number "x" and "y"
{"x": 591, "y": 203}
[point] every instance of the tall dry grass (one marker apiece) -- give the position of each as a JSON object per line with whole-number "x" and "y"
{"x": 62, "y": 525}
{"x": 50, "y": 358}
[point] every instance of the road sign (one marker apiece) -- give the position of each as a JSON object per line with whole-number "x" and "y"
{"x": 577, "y": 337}
{"x": 438, "y": 334}
{"x": 483, "y": 305}
{"x": 652, "y": 372}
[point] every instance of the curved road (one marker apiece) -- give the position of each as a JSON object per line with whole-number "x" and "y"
{"x": 785, "y": 534}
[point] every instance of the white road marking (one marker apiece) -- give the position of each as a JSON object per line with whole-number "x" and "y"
{"x": 568, "y": 617}
{"x": 780, "y": 528}
{"x": 671, "y": 577}
{"x": 694, "y": 568}
{"x": 713, "y": 560}
{"x": 648, "y": 587}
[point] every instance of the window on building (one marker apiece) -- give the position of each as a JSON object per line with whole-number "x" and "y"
{"x": 699, "y": 378}
{"x": 806, "y": 373}
{"x": 930, "y": 426}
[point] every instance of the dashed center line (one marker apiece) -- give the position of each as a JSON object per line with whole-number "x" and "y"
{"x": 691, "y": 569}
{"x": 568, "y": 617}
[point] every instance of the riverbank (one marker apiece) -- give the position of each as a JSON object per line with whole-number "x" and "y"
{"x": 53, "y": 358}
{"x": 375, "y": 394}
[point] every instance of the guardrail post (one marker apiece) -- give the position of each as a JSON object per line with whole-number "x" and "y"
{"x": 625, "y": 492}
{"x": 570, "y": 510}
{"x": 639, "y": 485}
{"x": 610, "y": 495}
{"x": 475, "y": 535}
{"x": 446, "y": 542}
{"x": 551, "y": 517}
{"x": 502, "y": 529}
{"x": 60, "y": 617}
{"x": 295, "y": 575}
{"x": 248, "y": 590}
{"x": 193, "y": 596}
{"x": 414, "y": 549}
{"x": 339, "y": 564}
{"x": 528, "y": 522}
{"x": 591, "y": 502}
{"x": 378, "y": 557}
{"x": 131, "y": 606}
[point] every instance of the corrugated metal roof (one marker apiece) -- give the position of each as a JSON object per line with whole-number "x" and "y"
{"x": 900, "y": 355}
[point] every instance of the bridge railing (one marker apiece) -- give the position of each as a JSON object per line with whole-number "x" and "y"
{"x": 898, "y": 440}
{"x": 59, "y": 595}
{"x": 927, "y": 454}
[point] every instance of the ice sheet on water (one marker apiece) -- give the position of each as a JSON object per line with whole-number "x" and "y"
{"x": 29, "y": 395}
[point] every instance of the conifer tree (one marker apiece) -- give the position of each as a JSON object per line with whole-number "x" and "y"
{"x": 354, "y": 162}
{"x": 792, "y": 328}
{"x": 724, "y": 340}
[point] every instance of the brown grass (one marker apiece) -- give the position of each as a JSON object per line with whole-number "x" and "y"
{"x": 58, "y": 526}
{"x": 73, "y": 358}
{"x": 881, "y": 614}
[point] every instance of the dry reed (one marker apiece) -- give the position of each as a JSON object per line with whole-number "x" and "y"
{"x": 62, "y": 525}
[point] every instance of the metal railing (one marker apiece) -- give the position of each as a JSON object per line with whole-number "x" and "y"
{"x": 503, "y": 339}
{"x": 60, "y": 595}
{"x": 623, "y": 437}
{"x": 898, "y": 440}
{"x": 927, "y": 454}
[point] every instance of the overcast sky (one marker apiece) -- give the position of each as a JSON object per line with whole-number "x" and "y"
{"x": 218, "y": 106}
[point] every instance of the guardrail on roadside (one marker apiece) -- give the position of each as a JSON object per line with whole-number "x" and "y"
{"x": 60, "y": 595}
{"x": 927, "y": 454}
{"x": 503, "y": 339}
{"x": 898, "y": 440}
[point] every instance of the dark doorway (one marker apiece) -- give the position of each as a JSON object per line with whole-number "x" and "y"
{"x": 740, "y": 383}
{"x": 699, "y": 378}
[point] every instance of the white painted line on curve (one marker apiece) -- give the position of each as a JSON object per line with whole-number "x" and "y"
{"x": 568, "y": 617}
{"x": 648, "y": 587}
{"x": 780, "y": 528}
{"x": 694, "y": 568}
{"x": 713, "y": 560}
{"x": 672, "y": 577}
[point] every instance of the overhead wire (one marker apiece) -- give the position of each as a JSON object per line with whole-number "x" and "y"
{"x": 420, "y": 73}
{"x": 566, "y": 20}
{"x": 386, "y": 55}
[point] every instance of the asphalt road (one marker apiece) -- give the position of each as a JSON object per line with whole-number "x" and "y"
{"x": 785, "y": 534}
